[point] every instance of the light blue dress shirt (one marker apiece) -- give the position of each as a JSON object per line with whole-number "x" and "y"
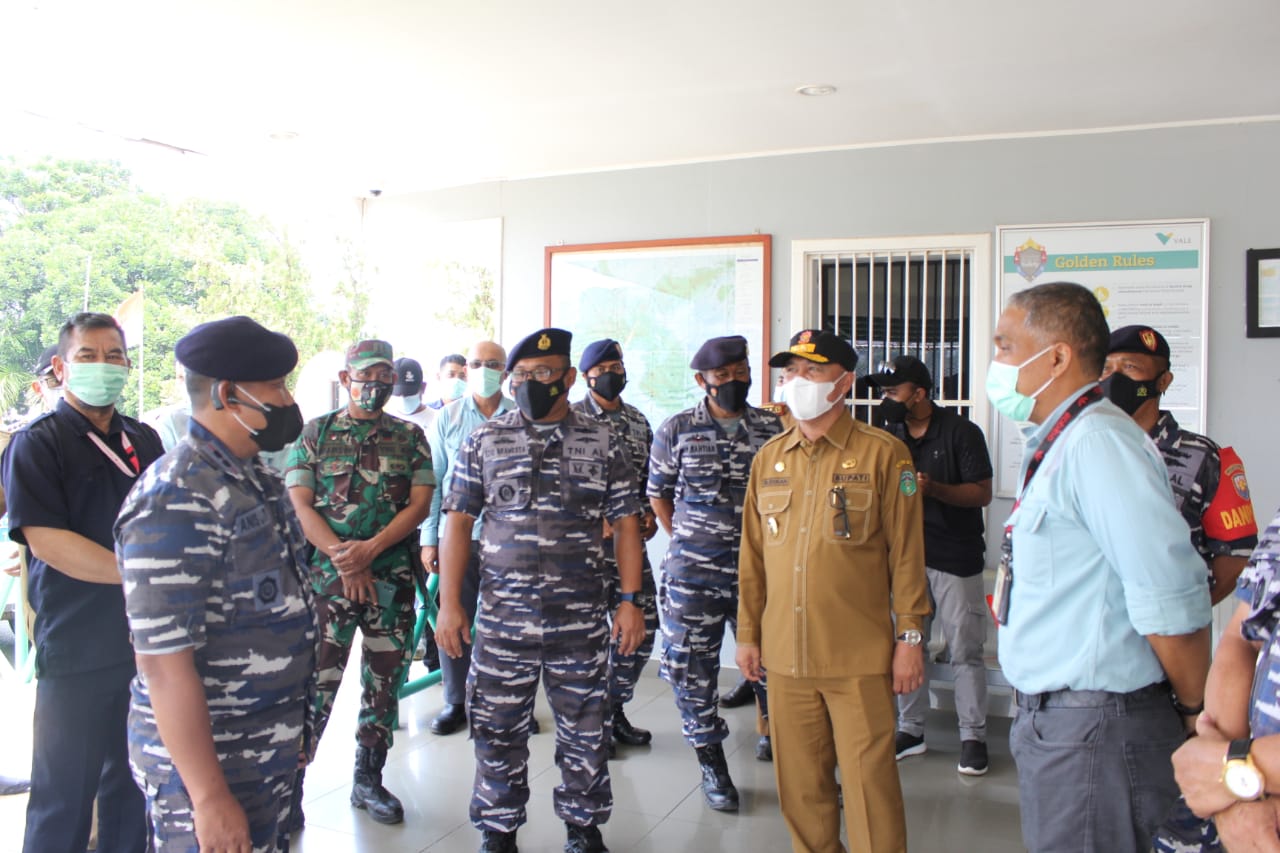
{"x": 1101, "y": 558}
{"x": 451, "y": 427}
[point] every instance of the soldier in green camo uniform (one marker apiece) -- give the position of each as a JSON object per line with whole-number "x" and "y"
{"x": 361, "y": 482}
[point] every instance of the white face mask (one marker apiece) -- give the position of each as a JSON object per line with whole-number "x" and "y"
{"x": 484, "y": 381}
{"x": 809, "y": 400}
{"x": 410, "y": 404}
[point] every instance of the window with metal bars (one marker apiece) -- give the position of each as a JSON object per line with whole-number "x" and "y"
{"x": 909, "y": 302}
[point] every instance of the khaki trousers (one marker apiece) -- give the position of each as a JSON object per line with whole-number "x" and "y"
{"x": 817, "y": 724}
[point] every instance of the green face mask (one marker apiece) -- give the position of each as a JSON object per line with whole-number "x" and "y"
{"x": 96, "y": 383}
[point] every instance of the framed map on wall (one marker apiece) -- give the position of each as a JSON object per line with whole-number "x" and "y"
{"x": 660, "y": 299}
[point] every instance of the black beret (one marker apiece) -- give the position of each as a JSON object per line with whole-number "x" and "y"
{"x": 819, "y": 347}
{"x": 718, "y": 352}
{"x": 904, "y": 368}
{"x": 598, "y": 351}
{"x": 1140, "y": 339}
{"x": 237, "y": 348}
{"x": 540, "y": 343}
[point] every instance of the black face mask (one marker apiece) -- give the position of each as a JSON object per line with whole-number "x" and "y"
{"x": 373, "y": 395}
{"x": 608, "y": 385}
{"x": 1130, "y": 394}
{"x": 284, "y": 424}
{"x": 730, "y": 396}
{"x": 535, "y": 399}
{"x": 893, "y": 411}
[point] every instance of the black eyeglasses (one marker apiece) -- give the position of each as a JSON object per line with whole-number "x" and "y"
{"x": 835, "y": 497}
{"x": 541, "y": 373}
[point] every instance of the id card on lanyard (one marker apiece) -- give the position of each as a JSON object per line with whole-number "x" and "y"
{"x": 130, "y": 469}
{"x": 1004, "y": 573}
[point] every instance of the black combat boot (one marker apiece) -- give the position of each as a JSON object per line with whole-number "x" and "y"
{"x": 584, "y": 839}
{"x": 367, "y": 791}
{"x": 296, "y": 819}
{"x": 624, "y": 732}
{"x": 717, "y": 787}
{"x": 493, "y": 841}
{"x": 740, "y": 695}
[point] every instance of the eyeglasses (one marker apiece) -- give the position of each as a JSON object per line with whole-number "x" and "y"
{"x": 616, "y": 367}
{"x": 541, "y": 373}
{"x": 492, "y": 364}
{"x": 836, "y": 498}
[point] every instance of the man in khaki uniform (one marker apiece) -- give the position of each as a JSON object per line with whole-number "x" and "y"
{"x": 832, "y": 557}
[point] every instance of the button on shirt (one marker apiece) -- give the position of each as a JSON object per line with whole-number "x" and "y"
{"x": 820, "y": 604}
{"x": 55, "y": 476}
{"x": 456, "y": 421}
{"x": 1101, "y": 558}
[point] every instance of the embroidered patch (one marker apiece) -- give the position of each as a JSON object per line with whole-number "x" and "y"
{"x": 907, "y": 483}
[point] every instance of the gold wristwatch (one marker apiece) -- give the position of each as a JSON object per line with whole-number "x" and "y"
{"x": 1241, "y": 776}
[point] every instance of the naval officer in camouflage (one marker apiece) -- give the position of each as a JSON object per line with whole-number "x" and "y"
{"x": 215, "y": 585}
{"x": 697, "y": 482}
{"x": 546, "y": 479}
{"x": 606, "y": 375}
{"x": 361, "y": 482}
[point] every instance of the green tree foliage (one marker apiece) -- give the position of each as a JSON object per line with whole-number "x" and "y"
{"x": 475, "y": 308}
{"x": 63, "y": 223}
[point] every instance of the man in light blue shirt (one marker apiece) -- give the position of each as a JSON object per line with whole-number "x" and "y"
{"x": 486, "y": 369}
{"x": 1106, "y": 635}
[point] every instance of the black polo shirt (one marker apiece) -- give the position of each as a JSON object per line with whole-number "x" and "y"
{"x": 56, "y": 476}
{"x": 952, "y": 450}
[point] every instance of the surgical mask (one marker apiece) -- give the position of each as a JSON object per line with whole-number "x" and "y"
{"x": 96, "y": 383}
{"x": 893, "y": 411}
{"x": 453, "y": 388}
{"x": 373, "y": 395}
{"x": 808, "y": 399}
{"x": 49, "y": 397}
{"x": 284, "y": 423}
{"x": 536, "y": 399}
{"x": 1130, "y": 394}
{"x": 484, "y": 381}
{"x": 1002, "y": 389}
{"x": 410, "y": 404}
{"x": 608, "y": 385}
{"x": 730, "y": 396}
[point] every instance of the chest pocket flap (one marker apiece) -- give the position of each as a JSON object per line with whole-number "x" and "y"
{"x": 774, "y": 515}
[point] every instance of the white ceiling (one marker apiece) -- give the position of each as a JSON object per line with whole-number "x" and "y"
{"x": 399, "y": 96}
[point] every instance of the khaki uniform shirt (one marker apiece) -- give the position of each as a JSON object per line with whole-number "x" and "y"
{"x": 818, "y": 602}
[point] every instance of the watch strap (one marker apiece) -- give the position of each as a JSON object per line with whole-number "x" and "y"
{"x": 1238, "y": 750}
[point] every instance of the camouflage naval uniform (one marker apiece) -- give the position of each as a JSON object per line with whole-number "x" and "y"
{"x": 637, "y": 438}
{"x": 213, "y": 559}
{"x": 704, "y": 472}
{"x": 361, "y": 472}
{"x": 543, "y": 600}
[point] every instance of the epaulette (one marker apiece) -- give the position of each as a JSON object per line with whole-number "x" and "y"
{"x": 779, "y": 409}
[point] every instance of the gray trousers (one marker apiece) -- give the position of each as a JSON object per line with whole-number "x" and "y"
{"x": 1095, "y": 769}
{"x": 960, "y": 614}
{"x": 453, "y": 671}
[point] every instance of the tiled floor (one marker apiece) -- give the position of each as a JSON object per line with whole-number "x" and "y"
{"x": 657, "y": 804}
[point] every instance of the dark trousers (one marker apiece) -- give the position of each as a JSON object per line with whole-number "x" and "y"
{"x": 79, "y": 753}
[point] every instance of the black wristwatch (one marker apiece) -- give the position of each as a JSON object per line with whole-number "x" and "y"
{"x": 639, "y": 599}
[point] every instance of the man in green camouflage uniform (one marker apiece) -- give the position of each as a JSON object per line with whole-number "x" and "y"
{"x": 361, "y": 482}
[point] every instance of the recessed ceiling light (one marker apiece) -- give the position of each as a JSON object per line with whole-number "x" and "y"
{"x": 816, "y": 90}
{"x": 283, "y": 135}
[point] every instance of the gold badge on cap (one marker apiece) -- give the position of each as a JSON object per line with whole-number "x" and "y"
{"x": 544, "y": 342}
{"x": 849, "y": 463}
{"x": 779, "y": 467}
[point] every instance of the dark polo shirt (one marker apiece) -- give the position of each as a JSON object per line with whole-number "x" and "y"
{"x": 55, "y": 476}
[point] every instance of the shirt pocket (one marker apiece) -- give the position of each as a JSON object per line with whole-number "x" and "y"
{"x": 1033, "y": 543}
{"x": 583, "y": 486}
{"x": 261, "y": 586}
{"x": 396, "y": 477}
{"x": 700, "y": 479}
{"x": 774, "y": 508}
{"x": 855, "y": 526}
{"x": 508, "y": 494}
{"x": 333, "y": 485}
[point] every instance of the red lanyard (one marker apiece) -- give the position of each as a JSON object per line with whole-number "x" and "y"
{"x": 1084, "y": 401}
{"x": 129, "y": 454}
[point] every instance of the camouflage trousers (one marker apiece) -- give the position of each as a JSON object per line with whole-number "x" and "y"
{"x": 694, "y": 618}
{"x": 265, "y": 803}
{"x": 386, "y": 628}
{"x": 513, "y": 649}
{"x": 1183, "y": 832}
{"x": 624, "y": 670}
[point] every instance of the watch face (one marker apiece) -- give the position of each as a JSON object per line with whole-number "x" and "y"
{"x": 1242, "y": 780}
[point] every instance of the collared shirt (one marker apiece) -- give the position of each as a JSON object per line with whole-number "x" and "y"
{"x": 1210, "y": 490}
{"x": 951, "y": 451}
{"x": 820, "y": 603}
{"x": 634, "y": 430}
{"x": 362, "y": 472}
{"x": 214, "y": 560}
{"x": 1101, "y": 558}
{"x": 56, "y": 476}
{"x": 704, "y": 472}
{"x": 1259, "y": 587}
{"x": 456, "y": 421}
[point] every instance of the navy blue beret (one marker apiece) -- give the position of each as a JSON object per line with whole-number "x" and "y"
{"x": 540, "y": 343}
{"x": 237, "y": 348}
{"x": 597, "y": 351}
{"x": 1139, "y": 339}
{"x": 718, "y": 352}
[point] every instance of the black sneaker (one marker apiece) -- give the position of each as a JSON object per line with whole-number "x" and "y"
{"x": 905, "y": 744}
{"x": 493, "y": 841}
{"x": 584, "y": 839}
{"x": 764, "y": 749}
{"x": 973, "y": 758}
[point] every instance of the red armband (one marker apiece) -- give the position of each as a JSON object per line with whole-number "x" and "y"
{"x": 1230, "y": 514}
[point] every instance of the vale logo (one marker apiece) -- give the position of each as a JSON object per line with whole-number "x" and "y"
{"x": 1164, "y": 238}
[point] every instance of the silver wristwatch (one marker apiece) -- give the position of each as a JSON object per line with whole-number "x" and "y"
{"x": 911, "y": 638}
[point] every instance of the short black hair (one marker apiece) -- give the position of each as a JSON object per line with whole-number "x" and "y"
{"x": 86, "y": 321}
{"x": 453, "y": 358}
{"x": 198, "y": 389}
{"x": 1070, "y": 313}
